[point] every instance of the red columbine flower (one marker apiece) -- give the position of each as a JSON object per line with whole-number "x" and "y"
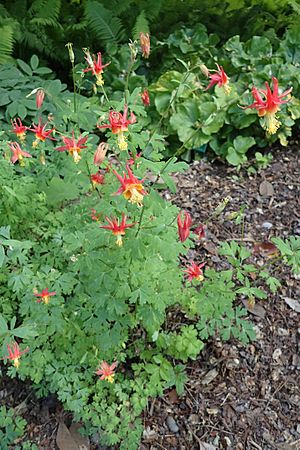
{"x": 200, "y": 231}
{"x": 268, "y": 105}
{"x": 118, "y": 230}
{"x": 97, "y": 178}
{"x": 94, "y": 215}
{"x": 14, "y": 353}
{"x": 145, "y": 97}
{"x": 118, "y": 124}
{"x": 131, "y": 188}
{"x": 184, "y": 227}
{"x": 19, "y": 129}
{"x": 18, "y": 153}
{"x": 96, "y": 67}
{"x": 106, "y": 371}
{"x": 194, "y": 271}
{"x": 145, "y": 44}
{"x": 41, "y": 134}
{"x": 100, "y": 153}
{"x": 133, "y": 158}
{"x": 45, "y": 296}
{"x": 39, "y": 98}
{"x": 73, "y": 147}
{"x": 220, "y": 78}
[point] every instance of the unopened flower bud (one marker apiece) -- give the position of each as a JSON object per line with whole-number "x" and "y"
{"x": 204, "y": 70}
{"x": 145, "y": 44}
{"x": 100, "y": 153}
{"x": 133, "y": 50}
{"x": 40, "y": 95}
{"x": 69, "y": 46}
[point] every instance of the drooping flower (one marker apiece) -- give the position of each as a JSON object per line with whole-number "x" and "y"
{"x": 267, "y": 104}
{"x": 200, "y": 231}
{"x": 41, "y": 134}
{"x": 19, "y": 129}
{"x": 94, "y": 215}
{"x": 18, "y": 153}
{"x": 133, "y": 158}
{"x": 194, "y": 271}
{"x": 118, "y": 229}
{"x": 95, "y": 66}
{"x": 220, "y": 78}
{"x": 40, "y": 95}
{"x": 97, "y": 179}
{"x": 184, "y": 228}
{"x": 131, "y": 188}
{"x": 118, "y": 123}
{"x": 73, "y": 147}
{"x": 145, "y": 97}
{"x": 100, "y": 153}
{"x": 107, "y": 371}
{"x": 14, "y": 353}
{"x": 44, "y": 296}
{"x": 145, "y": 44}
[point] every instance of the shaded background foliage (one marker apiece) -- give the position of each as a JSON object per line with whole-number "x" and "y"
{"x": 44, "y": 27}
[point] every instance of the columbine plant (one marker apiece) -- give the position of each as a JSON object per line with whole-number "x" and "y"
{"x": 267, "y": 104}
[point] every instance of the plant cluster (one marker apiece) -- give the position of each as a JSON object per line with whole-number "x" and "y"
{"x": 198, "y": 111}
{"x": 89, "y": 255}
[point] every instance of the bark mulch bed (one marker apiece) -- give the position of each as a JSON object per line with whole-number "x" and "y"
{"x": 237, "y": 397}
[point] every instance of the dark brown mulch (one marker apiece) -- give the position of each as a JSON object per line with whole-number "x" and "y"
{"x": 240, "y": 397}
{"x": 237, "y": 397}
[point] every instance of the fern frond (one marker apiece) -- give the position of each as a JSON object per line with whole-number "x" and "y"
{"x": 45, "y": 11}
{"x": 6, "y": 43}
{"x": 141, "y": 26}
{"x": 106, "y": 27}
{"x": 295, "y": 5}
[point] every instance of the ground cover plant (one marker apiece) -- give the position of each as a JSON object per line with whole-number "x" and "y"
{"x": 90, "y": 259}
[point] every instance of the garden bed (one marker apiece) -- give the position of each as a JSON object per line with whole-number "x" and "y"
{"x": 241, "y": 397}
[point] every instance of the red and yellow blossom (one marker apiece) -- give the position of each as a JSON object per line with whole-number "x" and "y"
{"x": 194, "y": 271}
{"x": 19, "y": 129}
{"x": 94, "y": 215}
{"x": 107, "y": 371}
{"x": 131, "y": 188}
{"x": 118, "y": 229}
{"x": 145, "y": 44}
{"x": 145, "y": 97}
{"x": 73, "y": 147}
{"x": 41, "y": 134}
{"x": 97, "y": 179}
{"x": 95, "y": 66}
{"x": 44, "y": 296}
{"x": 184, "y": 227}
{"x": 267, "y": 104}
{"x": 14, "y": 353}
{"x": 18, "y": 153}
{"x": 220, "y": 78}
{"x": 200, "y": 231}
{"x": 118, "y": 123}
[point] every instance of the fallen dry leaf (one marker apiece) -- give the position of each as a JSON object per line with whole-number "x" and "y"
{"x": 266, "y": 249}
{"x": 83, "y": 442}
{"x": 266, "y": 189}
{"x": 294, "y": 304}
{"x": 255, "y": 309}
{"x": 64, "y": 439}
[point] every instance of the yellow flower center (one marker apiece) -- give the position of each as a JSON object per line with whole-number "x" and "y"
{"x": 110, "y": 378}
{"x": 227, "y": 88}
{"x": 119, "y": 240}
{"x": 35, "y": 143}
{"x": 122, "y": 143}
{"x": 100, "y": 81}
{"x": 133, "y": 194}
{"x": 16, "y": 362}
{"x": 199, "y": 277}
{"x": 46, "y": 299}
{"x": 74, "y": 152}
{"x": 271, "y": 123}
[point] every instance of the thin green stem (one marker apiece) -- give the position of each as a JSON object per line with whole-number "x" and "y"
{"x": 140, "y": 220}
